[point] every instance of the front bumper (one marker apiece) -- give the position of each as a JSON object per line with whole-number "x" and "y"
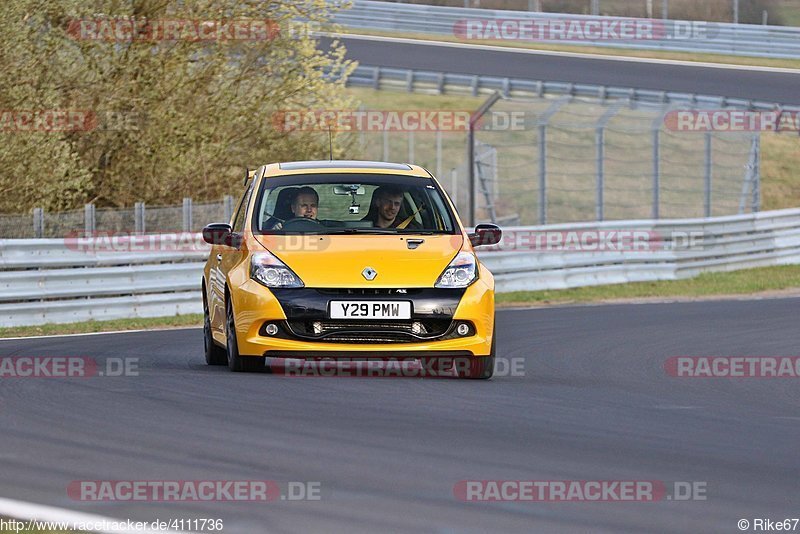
{"x": 293, "y": 310}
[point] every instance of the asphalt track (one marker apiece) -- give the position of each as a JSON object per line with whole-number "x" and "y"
{"x": 780, "y": 87}
{"x": 594, "y": 404}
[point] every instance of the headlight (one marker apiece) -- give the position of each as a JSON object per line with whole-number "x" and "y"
{"x": 461, "y": 272}
{"x": 269, "y": 271}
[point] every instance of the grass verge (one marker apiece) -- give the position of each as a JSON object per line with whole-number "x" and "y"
{"x": 757, "y": 281}
{"x": 103, "y": 326}
{"x": 602, "y": 50}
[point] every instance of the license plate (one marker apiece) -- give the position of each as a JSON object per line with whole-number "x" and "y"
{"x": 370, "y": 309}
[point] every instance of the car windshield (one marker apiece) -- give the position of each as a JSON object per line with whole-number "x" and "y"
{"x": 351, "y": 204}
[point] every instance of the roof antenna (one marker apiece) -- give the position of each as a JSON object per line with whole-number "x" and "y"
{"x": 330, "y": 141}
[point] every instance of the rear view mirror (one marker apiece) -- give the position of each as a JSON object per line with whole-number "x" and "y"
{"x": 351, "y": 189}
{"x": 486, "y": 234}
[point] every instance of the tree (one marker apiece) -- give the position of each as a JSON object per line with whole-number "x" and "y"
{"x": 173, "y": 98}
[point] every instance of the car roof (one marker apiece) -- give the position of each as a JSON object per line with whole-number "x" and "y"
{"x": 344, "y": 166}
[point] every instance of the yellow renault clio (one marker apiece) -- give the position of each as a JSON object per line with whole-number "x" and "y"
{"x": 348, "y": 260}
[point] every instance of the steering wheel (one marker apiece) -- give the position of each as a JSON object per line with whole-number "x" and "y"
{"x": 301, "y": 224}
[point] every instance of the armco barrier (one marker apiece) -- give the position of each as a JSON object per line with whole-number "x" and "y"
{"x": 47, "y": 281}
{"x": 673, "y": 35}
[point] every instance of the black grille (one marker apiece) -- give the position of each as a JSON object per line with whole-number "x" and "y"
{"x": 369, "y": 291}
{"x": 343, "y": 331}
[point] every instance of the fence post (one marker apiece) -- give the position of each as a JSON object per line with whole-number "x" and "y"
{"x": 471, "y": 162}
{"x": 656, "y": 173}
{"x": 542, "y": 174}
{"x": 601, "y": 150}
{"x": 227, "y": 205}
{"x": 138, "y": 217}
{"x": 600, "y": 143}
{"x": 438, "y": 153}
{"x": 709, "y": 169}
{"x": 454, "y": 187}
{"x": 89, "y": 221}
{"x": 38, "y": 222}
{"x": 187, "y": 214}
{"x": 756, "y": 207}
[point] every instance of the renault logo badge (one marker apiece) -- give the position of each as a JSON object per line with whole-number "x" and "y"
{"x": 369, "y": 273}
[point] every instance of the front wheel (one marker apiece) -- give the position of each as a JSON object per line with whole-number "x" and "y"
{"x": 236, "y": 362}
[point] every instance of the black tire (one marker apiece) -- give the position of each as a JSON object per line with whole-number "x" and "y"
{"x": 237, "y": 362}
{"x": 477, "y": 367}
{"x": 215, "y": 355}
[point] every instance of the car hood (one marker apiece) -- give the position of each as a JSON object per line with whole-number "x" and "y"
{"x": 338, "y": 261}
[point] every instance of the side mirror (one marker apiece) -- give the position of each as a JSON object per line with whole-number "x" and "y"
{"x": 486, "y": 234}
{"x": 218, "y": 234}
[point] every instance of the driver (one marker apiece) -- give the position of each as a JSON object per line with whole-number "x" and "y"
{"x": 304, "y": 205}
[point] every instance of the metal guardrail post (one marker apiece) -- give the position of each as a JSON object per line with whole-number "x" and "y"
{"x": 227, "y": 206}
{"x": 187, "y": 214}
{"x": 595, "y": 7}
{"x": 38, "y": 222}
{"x": 709, "y": 167}
{"x": 139, "y": 218}
{"x": 89, "y": 220}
